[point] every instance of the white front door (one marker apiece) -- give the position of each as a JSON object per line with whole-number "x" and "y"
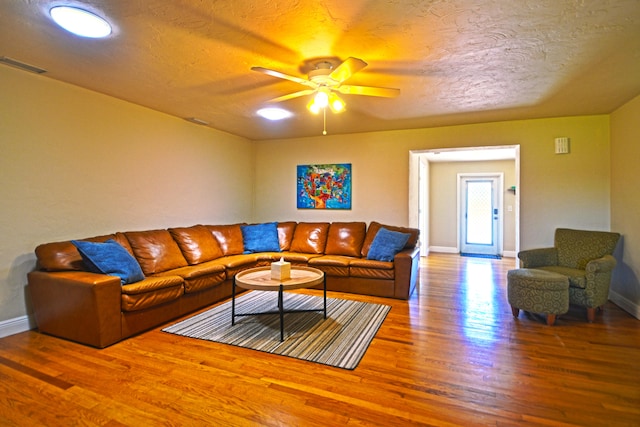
{"x": 480, "y": 213}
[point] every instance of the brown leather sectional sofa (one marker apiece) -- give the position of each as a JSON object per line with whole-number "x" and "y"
{"x": 189, "y": 268}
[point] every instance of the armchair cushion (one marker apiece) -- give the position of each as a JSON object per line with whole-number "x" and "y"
{"x": 577, "y": 278}
{"x": 577, "y": 247}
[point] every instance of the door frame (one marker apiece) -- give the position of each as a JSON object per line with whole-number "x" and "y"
{"x": 497, "y": 198}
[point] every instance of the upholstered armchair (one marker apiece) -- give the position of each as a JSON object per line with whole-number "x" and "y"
{"x": 585, "y": 257}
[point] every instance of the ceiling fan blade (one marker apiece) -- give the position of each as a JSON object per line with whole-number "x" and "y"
{"x": 293, "y": 95}
{"x": 385, "y": 92}
{"x": 349, "y": 67}
{"x": 280, "y": 75}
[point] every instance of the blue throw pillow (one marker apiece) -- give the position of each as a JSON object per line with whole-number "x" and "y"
{"x": 260, "y": 237}
{"x": 387, "y": 244}
{"x": 110, "y": 258}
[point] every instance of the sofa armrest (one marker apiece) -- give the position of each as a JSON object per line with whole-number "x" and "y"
{"x": 542, "y": 257}
{"x": 406, "y": 264}
{"x": 601, "y": 265}
{"x": 77, "y": 305}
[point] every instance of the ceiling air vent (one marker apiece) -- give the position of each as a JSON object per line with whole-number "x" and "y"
{"x": 197, "y": 121}
{"x": 21, "y": 65}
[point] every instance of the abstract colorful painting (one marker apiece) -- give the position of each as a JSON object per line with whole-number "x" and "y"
{"x": 324, "y": 186}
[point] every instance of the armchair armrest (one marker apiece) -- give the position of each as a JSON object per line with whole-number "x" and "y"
{"x": 533, "y": 258}
{"x": 601, "y": 265}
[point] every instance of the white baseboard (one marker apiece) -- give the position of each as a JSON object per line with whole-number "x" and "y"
{"x": 625, "y": 304}
{"x": 444, "y": 249}
{"x": 16, "y": 325}
{"x": 453, "y": 250}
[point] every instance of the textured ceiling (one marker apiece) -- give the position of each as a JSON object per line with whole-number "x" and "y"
{"x": 454, "y": 62}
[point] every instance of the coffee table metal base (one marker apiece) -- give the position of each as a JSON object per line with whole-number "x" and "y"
{"x": 281, "y": 310}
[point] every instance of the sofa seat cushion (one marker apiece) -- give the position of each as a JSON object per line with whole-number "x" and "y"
{"x": 150, "y": 292}
{"x": 298, "y": 257}
{"x": 199, "y": 277}
{"x": 577, "y": 278}
{"x": 332, "y": 265}
{"x": 371, "y": 269}
{"x": 345, "y": 238}
{"x": 156, "y": 251}
{"x": 237, "y": 263}
{"x": 196, "y": 243}
{"x": 268, "y": 257}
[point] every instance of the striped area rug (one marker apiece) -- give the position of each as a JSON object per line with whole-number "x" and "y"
{"x": 340, "y": 340}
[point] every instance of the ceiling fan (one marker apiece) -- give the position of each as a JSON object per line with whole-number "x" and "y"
{"x": 325, "y": 82}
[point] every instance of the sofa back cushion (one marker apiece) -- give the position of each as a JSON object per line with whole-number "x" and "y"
{"x": 345, "y": 238}
{"x": 155, "y": 250}
{"x": 414, "y": 234}
{"x": 577, "y": 247}
{"x": 310, "y": 237}
{"x": 285, "y": 234}
{"x": 64, "y": 256}
{"x": 196, "y": 243}
{"x": 229, "y": 238}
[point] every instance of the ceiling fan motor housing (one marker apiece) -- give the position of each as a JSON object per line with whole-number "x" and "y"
{"x": 320, "y": 74}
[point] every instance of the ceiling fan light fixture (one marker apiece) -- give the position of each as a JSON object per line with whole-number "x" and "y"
{"x": 336, "y": 104}
{"x": 322, "y": 98}
{"x": 313, "y": 107}
{"x": 80, "y": 22}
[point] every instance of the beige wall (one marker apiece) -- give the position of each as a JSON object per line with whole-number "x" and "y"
{"x": 75, "y": 163}
{"x": 570, "y": 190}
{"x": 625, "y": 203}
{"x": 443, "y": 200}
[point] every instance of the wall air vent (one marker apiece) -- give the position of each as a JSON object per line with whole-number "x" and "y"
{"x": 21, "y": 65}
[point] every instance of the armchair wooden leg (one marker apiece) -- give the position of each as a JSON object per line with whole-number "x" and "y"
{"x": 591, "y": 314}
{"x": 515, "y": 311}
{"x": 551, "y": 319}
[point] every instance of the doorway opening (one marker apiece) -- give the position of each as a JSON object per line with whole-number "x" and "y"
{"x": 433, "y": 197}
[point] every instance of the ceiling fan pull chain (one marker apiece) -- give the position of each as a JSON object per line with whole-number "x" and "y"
{"x": 324, "y": 129}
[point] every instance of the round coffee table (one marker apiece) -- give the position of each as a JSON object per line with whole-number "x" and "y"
{"x": 259, "y": 278}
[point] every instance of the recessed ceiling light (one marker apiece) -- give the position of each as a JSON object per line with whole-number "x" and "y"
{"x": 273, "y": 113}
{"x": 80, "y": 22}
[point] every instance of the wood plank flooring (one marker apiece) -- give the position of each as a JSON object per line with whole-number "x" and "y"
{"x": 453, "y": 355}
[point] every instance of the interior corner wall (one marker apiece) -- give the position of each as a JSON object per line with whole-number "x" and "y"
{"x": 556, "y": 190}
{"x": 625, "y": 204}
{"x": 75, "y": 163}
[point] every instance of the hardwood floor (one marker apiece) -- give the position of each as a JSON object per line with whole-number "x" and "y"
{"x": 451, "y": 355}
